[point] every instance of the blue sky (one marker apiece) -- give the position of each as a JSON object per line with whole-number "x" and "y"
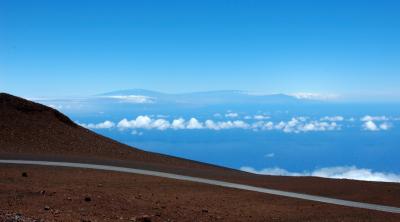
{"x": 62, "y": 48}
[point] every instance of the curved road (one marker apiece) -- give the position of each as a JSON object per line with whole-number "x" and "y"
{"x": 211, "y": 182}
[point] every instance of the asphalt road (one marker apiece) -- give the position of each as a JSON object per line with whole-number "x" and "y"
{"x": 212, "y": 182}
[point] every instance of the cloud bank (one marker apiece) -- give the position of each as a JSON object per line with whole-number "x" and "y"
{"x": 295, "y": 125}
{"x": 339, "y": 172}
{"x": 133, "y": 99}
{"x": 298, "y": 124}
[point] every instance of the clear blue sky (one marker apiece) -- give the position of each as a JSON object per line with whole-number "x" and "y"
{"x": 61, "y": 48}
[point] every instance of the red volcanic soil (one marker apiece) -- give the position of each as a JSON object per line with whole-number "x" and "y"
{"x": 58, "y": 194}
{"x": 30, "y": 130}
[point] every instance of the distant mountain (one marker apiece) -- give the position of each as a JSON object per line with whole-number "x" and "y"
{"x": 208, "y": 97}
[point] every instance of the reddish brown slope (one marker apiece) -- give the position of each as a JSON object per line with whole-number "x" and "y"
{"x": 29, "y": 128}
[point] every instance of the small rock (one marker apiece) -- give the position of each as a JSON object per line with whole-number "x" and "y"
{"x": 204, "y": 210}
{"x": 46, "y": 207}
{"x": 18, "y": 217}
{"x": 144, "y": 218}
{"x": 24, "y": 174}
{"x": 88, "y": 199}
{"x": 43, "y": 192}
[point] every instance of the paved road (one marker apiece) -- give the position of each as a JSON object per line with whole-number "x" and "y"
{"x": 211, "y": 182}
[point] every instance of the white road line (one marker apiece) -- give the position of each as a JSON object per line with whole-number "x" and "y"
{"x": 328, "y": 200}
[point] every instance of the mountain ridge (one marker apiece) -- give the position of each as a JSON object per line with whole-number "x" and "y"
{"x": 205, "y": 97}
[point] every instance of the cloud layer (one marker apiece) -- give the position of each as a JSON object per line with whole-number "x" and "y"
{"x": 298, "y": 124}
{"x": 295, "y": 125}
{"x": 340, "y": 172}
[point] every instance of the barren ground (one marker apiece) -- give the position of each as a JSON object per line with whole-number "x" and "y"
{"x": 58, "y": 194}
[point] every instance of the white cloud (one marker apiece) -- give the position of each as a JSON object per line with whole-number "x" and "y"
{"x": 232, "y": 115}
{"x": 194, "y": 124}
{"x": 133, "y": 98}
{"x": 340, "y": 172}
{"x": 270, "y": 171}
{"x": 261, "y": 125}
{"x": 103, "y": 125}
{"x": 209, "y": 124}
{"x": 374, "y": 118}
{"x": 261, "y": 117}
{"x": 139, "y": 122}
{"x": 235, "y": 124}
{"x": 332, "y": 118}
{"x": 313, "y": 96}
{"x": 178, "y": 124}
{"x": 238, "y": 124}
{"x": 302, "y": 124}
{"x": 144, "y": 122}
{"x": 384, "y": 126}
{"x": 352, "y": 172}
{"x": 161, "y": 124}
{"x": 372, "y": 126}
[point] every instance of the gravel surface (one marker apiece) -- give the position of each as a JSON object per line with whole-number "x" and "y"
{"x": 60, "y": 194}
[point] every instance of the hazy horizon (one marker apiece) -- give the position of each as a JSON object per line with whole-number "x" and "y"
{"x": 344, "y": 48}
